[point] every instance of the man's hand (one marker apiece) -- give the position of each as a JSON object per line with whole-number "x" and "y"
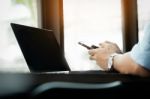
{"x": 101, "y": 54}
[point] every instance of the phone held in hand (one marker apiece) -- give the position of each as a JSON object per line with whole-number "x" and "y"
{"x": 87, "y": 47}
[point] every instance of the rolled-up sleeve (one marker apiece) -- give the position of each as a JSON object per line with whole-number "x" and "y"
{"x": 140, "y": 53}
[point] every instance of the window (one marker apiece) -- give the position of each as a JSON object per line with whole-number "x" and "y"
{"x": 144, "y": 15}
{"x": 92, "y": 22}
{"x": 17, "y": 11}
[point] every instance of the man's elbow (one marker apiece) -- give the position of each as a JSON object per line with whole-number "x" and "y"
{"x": 141, "y": 71}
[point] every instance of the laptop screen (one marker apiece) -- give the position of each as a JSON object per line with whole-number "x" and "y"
{"x": 40, "y": 49}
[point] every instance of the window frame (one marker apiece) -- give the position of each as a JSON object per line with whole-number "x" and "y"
{"x": 52, "y": 17}
{"x": 53, "y": 20}
{"x": 129, "y": 24}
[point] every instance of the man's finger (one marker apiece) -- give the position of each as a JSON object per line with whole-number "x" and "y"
{"x": 108, "y": 42}
{"x": 92, "y": 52}
{"x": 92, "y": 57}
{"x": 104, "y": 44}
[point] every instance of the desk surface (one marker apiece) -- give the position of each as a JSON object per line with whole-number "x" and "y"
{"x": 22, "y": 83}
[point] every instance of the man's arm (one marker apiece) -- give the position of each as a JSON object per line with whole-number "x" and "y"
{"x": 124, "y": 64}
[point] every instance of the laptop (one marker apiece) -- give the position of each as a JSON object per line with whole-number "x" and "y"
{"x": 40, "y": 49}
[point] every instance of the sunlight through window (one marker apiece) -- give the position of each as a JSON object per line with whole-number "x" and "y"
{"x": 92, "y": 22}
{"x": 144, "y": 15}
{"x": 16, "y": 11}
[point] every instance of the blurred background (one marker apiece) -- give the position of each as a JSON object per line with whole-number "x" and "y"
{"x": 17, "y": 11}
{"x": 89, "y": 21}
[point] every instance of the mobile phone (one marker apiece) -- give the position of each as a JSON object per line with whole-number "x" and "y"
{"x": 88, "y": 47}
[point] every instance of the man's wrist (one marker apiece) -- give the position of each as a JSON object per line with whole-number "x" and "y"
{"x": 111, "y": 62}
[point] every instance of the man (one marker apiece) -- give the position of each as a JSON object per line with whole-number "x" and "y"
{"x": 136, "y": 62}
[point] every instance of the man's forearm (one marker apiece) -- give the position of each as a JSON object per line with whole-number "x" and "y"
{"x": 124, "y": 64}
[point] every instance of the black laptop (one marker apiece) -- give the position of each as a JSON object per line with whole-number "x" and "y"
{"x": 40, "y": 49}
